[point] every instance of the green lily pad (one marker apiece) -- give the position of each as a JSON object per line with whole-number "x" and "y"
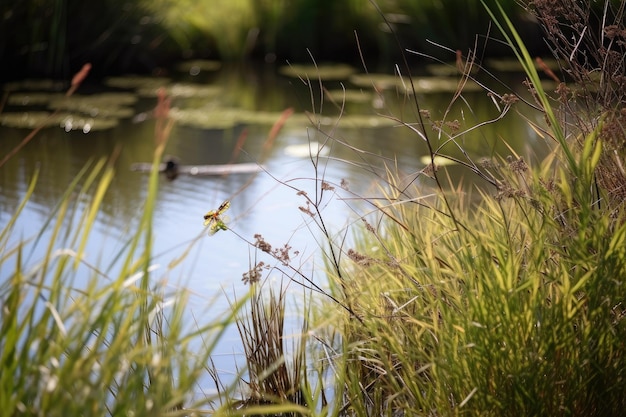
{"x": 28, "y": 120}
{"x": 67, "y": 121}
{"x": 33, "y": 99}
{"x": 351, "y": 95}
{"x": 95, "y": 111}
{"x": 378, "y": 81}
{"x": 87, "y": 124}
{"x": 314, "y": 72}
{"x": 444, "y": 85}
{"x": 227, "y": 117}
{"x": 108, "y": 105}
{"x": 447, "y": 70}
{"x": 184, "y": 90}
{"x": 224, "y": 118}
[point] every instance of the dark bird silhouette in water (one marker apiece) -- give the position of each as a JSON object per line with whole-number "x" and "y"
{"x": 171, "y": 169}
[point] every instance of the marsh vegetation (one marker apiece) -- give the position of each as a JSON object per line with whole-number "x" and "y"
{"x": 439, "y": 298}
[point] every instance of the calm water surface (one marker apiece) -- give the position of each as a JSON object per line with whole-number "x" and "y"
{"x": 263, "y": 203}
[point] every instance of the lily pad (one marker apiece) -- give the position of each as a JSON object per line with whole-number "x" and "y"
{"x": 378, "y": 81}
{"x": 95, "y": 111}
{"x": 447, "y": 70}
{"x": 108, "y": 105}
{"x": 87, "y": 124}
{"x": 314, "y": 72}
{"x": 184, "y": 90}
{"x": 227, "y": 117}
{"x": 33, "y": 99}
{"x": 67, "y": 121}
{"x": 351, "y": 95}
{"x": 131, "y": 82}
{"x": 444, "y": 85}
{"x": 28, "y": 120}
{"x": 203, "y": 118}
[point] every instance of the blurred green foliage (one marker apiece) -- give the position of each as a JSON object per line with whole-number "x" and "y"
{"x": 55, "y": 37}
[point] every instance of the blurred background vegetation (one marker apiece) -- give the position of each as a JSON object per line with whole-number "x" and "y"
{"x": 53, "y": 38}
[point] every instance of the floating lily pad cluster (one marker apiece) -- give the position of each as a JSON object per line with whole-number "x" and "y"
{"x": 80, "y": 112}
{"x": 67, "y": 121}
{"x": 43, "y": 103}
{"x": 446, "y": 80}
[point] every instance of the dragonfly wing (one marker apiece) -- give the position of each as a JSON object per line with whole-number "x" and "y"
{"x": 223, "y": 207}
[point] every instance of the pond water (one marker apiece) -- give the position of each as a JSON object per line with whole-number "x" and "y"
{"x": 246, "y": 102}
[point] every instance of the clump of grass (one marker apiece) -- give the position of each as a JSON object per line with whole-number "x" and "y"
{"x": 521, "y": 313}
{"x": 274, "y": 377}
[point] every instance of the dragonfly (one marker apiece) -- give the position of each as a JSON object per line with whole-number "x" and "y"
{"x": 215, "y": 220}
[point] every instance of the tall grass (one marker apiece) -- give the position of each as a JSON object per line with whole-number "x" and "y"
{"x": 513, "y": 307}
{"x": 509, "y": 304}
{"x": 75, "y": 340}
